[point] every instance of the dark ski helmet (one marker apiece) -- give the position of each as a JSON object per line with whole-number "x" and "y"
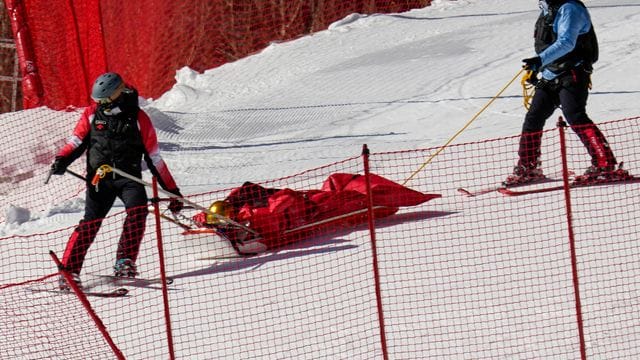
{"x": 553, "y": 2}
{"x": 107, "y": 88}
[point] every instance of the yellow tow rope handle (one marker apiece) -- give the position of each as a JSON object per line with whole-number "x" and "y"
{"x": 463, "y": 128}
{"x": 528, "y": 89}
{"x": 101, "y": 172}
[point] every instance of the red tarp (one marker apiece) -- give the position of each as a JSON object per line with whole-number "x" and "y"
{"x": 282, "y": 216}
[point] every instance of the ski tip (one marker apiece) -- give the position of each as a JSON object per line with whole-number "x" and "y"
{"x": 118, "y": 292}
{"x": 250, "y": 247}
{"x": 465, "y": 192}
{"x": 475, "y": 193}
{"x": 121, "y": 292}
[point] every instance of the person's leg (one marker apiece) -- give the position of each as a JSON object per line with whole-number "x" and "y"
{"x": 543, "y": 105}
{"x": 573, "y": 98}
{"x": 528, "y": 169}
{"x": 97, "y": 206}
{"x": 135, "y": 200}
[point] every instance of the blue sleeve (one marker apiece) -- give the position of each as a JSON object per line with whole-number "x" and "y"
{"x": 571, "y": 21}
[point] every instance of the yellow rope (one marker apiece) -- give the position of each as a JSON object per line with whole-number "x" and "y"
{"x": 463, "y": 128}
{"x": 101, "y": 172}
{"x": 527, "y": 88}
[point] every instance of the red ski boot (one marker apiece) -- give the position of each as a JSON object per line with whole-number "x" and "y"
{"x": 599, "y": 174}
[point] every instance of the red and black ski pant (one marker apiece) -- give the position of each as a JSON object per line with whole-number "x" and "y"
{"x": 98, "y": 203}
{"x": 570, "y": 92}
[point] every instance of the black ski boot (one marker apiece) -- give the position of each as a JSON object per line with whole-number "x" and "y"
{"x": 523, "y": 174}
{"x": 125, "y": 268}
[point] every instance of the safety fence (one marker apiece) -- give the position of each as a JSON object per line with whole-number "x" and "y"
{"x": 546, "y": 275}
{"x": 148, "y": 41}
{"x": 10, "y": 80}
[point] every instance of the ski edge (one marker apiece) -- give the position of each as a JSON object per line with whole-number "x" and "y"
{"x": 169, "y": 280}
{"x": 119, "y": 292}
{"x": 512, "y": 192}
{"x": 471, "y": 193}
{"x": 573, "y": 185}
{"x": 226, "y": 257}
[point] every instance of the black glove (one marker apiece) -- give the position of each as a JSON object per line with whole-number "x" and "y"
{"x": 175, "y": 205}
{"x": 59, "y": 165}
{"x": 533, "y": 78}
{"x": 534, "y": 64}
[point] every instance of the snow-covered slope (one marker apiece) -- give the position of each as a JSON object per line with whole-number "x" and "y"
{"x": 396, "y": 81}
{"x": 393, "y": 81}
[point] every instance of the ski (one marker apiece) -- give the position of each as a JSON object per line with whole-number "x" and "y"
{"x": 247, "y": 247}
{"x": 131, "y": 281}
{"x": 474, "y": 193}
{"x": 118, "y": 292}
{"x": 243, "y": 248}
{"x": 511, "y": 192}
{"x": 224, "y": 257}
{"x": 573, "y": 185}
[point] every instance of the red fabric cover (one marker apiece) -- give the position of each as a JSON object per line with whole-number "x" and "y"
{"x": 285, "y": 216}
{"x": 385, "y": 192}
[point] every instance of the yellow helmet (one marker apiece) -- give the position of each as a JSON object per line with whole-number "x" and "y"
{"x": 221, "y": 208}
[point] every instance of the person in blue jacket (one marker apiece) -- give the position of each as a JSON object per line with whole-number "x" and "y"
{"x": 566, "y": 48}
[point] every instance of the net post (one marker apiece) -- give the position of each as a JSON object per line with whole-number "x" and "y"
{"x": 572, "y": 243}
{"x": 374, "y": 252}
{"x": 163, "y": 274}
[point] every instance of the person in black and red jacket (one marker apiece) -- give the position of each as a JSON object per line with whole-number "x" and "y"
{"x": 113, "y": 131}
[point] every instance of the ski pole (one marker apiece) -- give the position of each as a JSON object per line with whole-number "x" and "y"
{"x": 76, "y": 175}
{"x": 46, "y": 181}
{"x": 463, "y": 128}
{"x": 107, "y": 168}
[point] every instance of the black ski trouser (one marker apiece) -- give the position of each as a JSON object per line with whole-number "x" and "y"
{"x": 97, "y": 206}
{"x": 570, "y": 92}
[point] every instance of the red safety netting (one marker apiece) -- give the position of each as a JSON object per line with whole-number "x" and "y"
{"x": 544, "y": 275}
{"x": 24, "y": 165}
{"x": 63, "y": 46}
{"x": 52, "y": 332}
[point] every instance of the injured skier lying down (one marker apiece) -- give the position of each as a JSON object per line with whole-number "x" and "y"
{"x": 281, "y": 216}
